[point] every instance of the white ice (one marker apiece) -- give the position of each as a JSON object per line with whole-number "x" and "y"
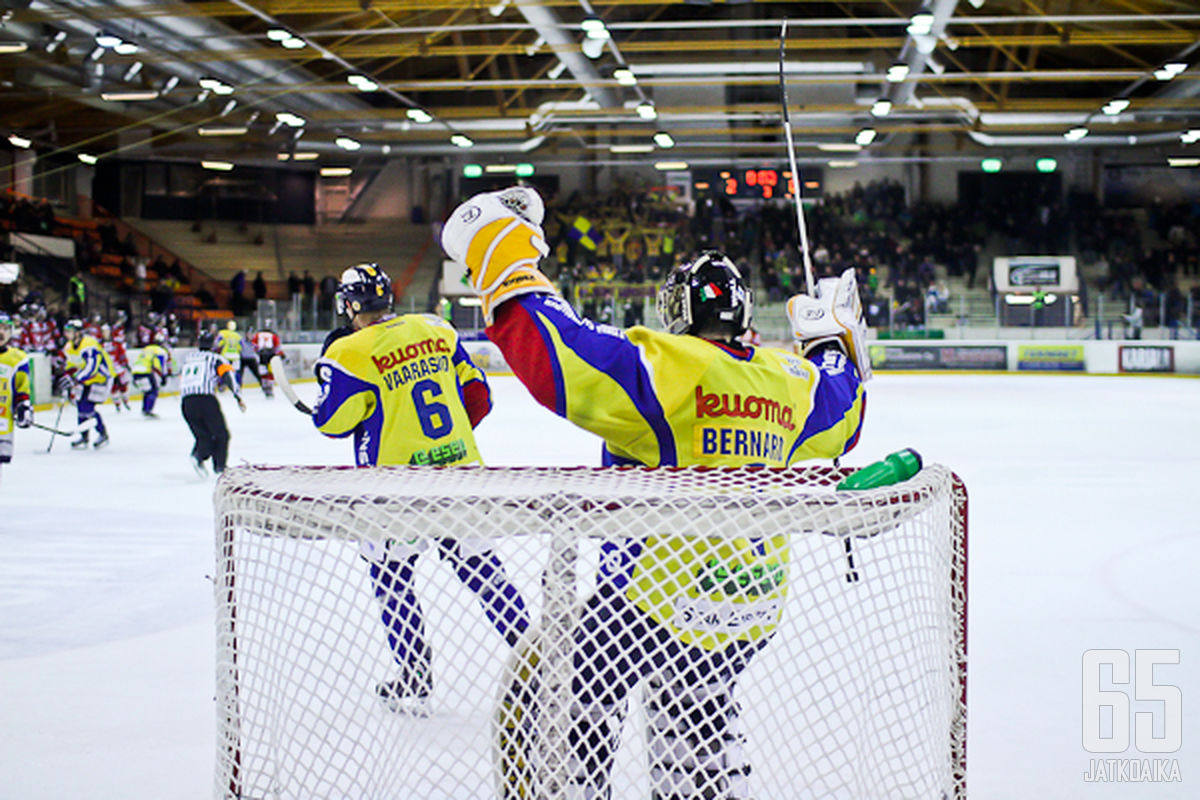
{"x": 1084, "y": 533}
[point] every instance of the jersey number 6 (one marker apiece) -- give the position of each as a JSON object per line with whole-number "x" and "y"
{"x": 434, "y": 417}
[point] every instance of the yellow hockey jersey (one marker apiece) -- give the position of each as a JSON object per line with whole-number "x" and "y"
{"x": 14, "y": 385}
{"x": 407, "y": 391}
{"x": 90, "y": 363}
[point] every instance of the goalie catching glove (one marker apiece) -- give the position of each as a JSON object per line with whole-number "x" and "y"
{"x": 833, "y": 316}
{"x": 498, "y": 237}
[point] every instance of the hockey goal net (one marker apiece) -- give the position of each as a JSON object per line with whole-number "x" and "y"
{"x": 852, "y": 681}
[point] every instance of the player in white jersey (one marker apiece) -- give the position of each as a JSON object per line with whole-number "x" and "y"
{"x": 199, "y": 376}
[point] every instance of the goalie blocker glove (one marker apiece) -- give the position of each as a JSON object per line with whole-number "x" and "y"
{"x": 834, "y": 316}
{"x": 498, "y": 237}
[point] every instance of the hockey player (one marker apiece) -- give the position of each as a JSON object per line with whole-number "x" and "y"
{"x": 121, "y": 372}
{"x": 267, "y": 343}
{"x": 16, "y": 411}
{"x": 229, "y": 345}
{"x": 86, "y": 381}
{"x": 692, "y": 395}
{"x": 249, "y": 361}
{"x": 150, "y": 372}
{"x": 202, "y": 370}
{"x": 419, "y": 407}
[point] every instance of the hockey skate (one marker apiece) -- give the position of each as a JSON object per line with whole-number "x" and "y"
{"x": 198, "y": 465}
{"x": 407, "y": 694}
{"x": 81, "y": 443}
{"x": 101, "y": 441}
{"x": 149, "y": 415}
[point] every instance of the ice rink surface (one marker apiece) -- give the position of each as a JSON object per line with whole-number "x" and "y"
{"x": 1084, "y": 534}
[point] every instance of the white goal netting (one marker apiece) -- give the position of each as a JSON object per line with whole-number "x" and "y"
{"x": 472, "y": 632}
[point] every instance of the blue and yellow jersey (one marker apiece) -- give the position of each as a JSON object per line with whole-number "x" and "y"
{"x": 154, "y": 359}
{"x": 89, "y": 362}
{"x": 663, "y": 400}
{"x": 14, "y": 384}
{"x": 406, "y": 389}
{"x": 229, "y": 345}
{"x": 659, "y": 399}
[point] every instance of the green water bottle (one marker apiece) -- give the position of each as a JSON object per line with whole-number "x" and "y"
{"x": 899, "y": 466}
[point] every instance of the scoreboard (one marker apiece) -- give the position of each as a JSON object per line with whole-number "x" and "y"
{"x": 760, "y": 183}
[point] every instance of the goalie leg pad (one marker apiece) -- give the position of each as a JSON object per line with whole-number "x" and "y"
{"x": 696, "y": 746}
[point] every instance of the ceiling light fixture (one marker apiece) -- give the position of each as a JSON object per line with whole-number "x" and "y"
{"x": 1075, "y": 134}
{"x": 305, "y": 156}
{"x": 279, "y": 34}
{"x": 865, "y": 136}
{"x": 133, "y": 70}
{"x": 219, "y": 166}
{"x": 835, "y": 164}
{"x": 170, "y": 83}
{"x": 624, "y": 76}
{"x": 646, "y": 110}
{"x": 839, "y": 147}
{"x": 106, "y": 39}
{"x": 125, "y": 49}
{"x": 55, "y": 41}
{"x": 223, "y": 130}
{"x": 92, "y": 56}
{"x": 419, "y": 115}
{"x": 290, "y": 119}
{"x": 897, "y": 73}
{"x": 87, "y": 158}
{"x": 1191, "y": 136}
{"x": 881, "y": 107}
{"x": 1115, "y": 106}
{"x": 670, "y": 166}
{"x": 1183, "y": 162}
{"x": 294, "y": 43}
{"x": 346, "y": 143}
{"x": 664, "y": 140}
{"x": 222, "y": 89}
{"x": 335, "y": 172}
{"x": 628, "y": 149}
{"x": 461, "y": 141}
{"x": 920, "y": 23}
{"x": 595, "y": 29}
{"x": 19, "y": 141}
{"x": 1046, "y": 165}
{"x": 501, "y": 169}
{"x": 129, "y": 96}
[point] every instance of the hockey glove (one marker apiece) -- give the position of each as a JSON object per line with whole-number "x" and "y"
{"x": 65, "y": 385}
{"x": 23, "y": 413}
{"x": 498, "y": 237}
{"x": 833, "y": 316}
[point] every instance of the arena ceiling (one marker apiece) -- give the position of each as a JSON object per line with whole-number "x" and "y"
{"x": 522, "y": 81}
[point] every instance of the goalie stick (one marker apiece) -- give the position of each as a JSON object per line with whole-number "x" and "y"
{"x": 285, "y": 386}
{"x": 809, "y": 283}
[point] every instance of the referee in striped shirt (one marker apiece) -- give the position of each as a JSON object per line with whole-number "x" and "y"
{"x": 201, "y": 372}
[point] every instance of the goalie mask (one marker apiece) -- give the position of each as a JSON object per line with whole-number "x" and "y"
{"x": 706, "y": 297}
{"x": 363, "y": 287}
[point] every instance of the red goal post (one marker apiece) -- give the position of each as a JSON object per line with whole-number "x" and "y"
{"x": 861, "y": 690}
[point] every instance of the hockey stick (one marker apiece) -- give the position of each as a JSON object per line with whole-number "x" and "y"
{"x": 809, "y": 283}
{"x": 55, "y": 431}
{"x": 285, "y": 386}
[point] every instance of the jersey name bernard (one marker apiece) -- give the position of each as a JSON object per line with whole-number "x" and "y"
{"x": 736, "y": 440}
